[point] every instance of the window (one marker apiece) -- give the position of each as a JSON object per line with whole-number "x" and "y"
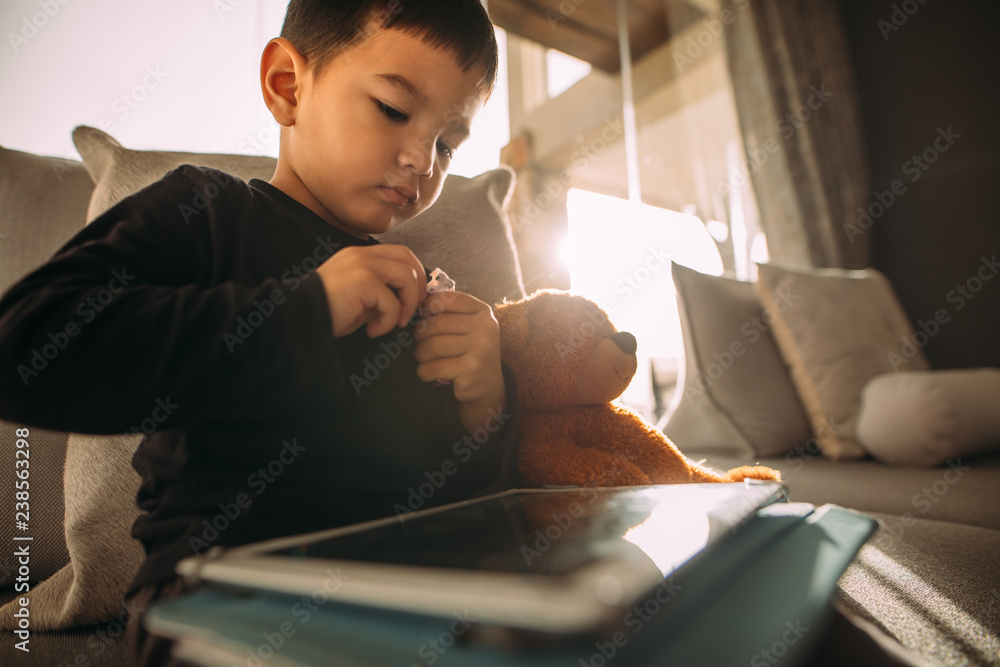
{"x": 563, "y": 71}
{"x": 619, "y": 256}
{"x": 684, "y": 169}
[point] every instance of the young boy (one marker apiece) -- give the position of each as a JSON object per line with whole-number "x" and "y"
{"x": 373, "y": 98}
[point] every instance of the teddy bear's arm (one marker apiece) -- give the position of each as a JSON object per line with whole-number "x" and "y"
{"x": 631, "y": 439}
{"x": 608, "y": 445}
{"x": 556, "y": 450}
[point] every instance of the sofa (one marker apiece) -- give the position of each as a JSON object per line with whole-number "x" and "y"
{"x": 924, "y": 590}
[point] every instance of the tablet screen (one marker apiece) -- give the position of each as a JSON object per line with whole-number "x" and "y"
{"x": 553, "y": 532}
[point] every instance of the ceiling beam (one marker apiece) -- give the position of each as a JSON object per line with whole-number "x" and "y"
{"x": 588, "y": 29}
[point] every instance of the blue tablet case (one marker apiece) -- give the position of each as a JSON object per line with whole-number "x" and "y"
{"x": 762, "y": 599}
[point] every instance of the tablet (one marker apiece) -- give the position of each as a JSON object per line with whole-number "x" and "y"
{"x": 569, "y": 560}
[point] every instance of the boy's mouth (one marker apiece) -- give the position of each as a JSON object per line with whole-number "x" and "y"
{"x": 400, "y": 195}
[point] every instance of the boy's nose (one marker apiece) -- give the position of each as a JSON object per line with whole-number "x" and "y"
{"x": 418, "y": 156}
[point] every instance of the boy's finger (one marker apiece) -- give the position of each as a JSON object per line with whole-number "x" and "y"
{"x": 407, "y": 287}
{"x": 454, "y": 302}
{"x": 441, "y": 347}
{"x": 443, "y": 324}
{"x": 438, "y": 369}
{"x": 382, "y": 314}
{"x": 399, "y": 268}
{"x": 401, "y": 254}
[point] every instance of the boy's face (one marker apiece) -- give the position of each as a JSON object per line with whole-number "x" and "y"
{"x": 373, "y": 135}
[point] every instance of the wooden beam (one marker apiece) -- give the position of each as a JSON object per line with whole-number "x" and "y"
{"x": 586, "y": 29}
{"x": 550, "y": 30}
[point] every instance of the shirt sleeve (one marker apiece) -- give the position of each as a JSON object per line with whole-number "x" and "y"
{"x": 127, "y": 317}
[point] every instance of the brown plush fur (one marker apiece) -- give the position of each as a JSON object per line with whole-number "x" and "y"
{"x": 570, "y": 363}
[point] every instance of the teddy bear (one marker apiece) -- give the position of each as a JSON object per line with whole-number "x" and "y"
{"x": 570, "y": 362}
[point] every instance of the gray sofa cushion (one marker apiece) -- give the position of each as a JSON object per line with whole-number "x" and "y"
{"x": 43, "y": 202}
{"x": 934, "y": 587}
{"x": 965, "y": 491}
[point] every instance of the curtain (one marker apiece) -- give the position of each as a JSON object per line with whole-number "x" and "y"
{"x": 799, "y": 114}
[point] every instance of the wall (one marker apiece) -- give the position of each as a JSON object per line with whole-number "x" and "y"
{"x": 926, "y": 68}
{"x": 177, "y": 75}
{"x": 171, "y": 75}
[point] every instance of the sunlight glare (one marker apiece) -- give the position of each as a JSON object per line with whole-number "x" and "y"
{"x": 619, "y": 255}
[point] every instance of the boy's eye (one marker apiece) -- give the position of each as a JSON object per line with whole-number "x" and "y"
{"x": 391, "y": 113}
{"x": 445, "y": 150}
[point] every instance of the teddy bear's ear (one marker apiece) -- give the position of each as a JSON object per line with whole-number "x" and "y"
{"x": 513, "y": 321}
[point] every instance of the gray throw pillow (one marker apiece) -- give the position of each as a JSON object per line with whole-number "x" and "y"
{"x": 736, "y": 394}
{"x": 841, "y": 329}
{"x": 43, "y": 201}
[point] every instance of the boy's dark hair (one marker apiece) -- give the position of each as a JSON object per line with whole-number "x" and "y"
{"x": 321, "y": 29}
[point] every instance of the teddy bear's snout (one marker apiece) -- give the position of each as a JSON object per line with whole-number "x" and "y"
{"x": 625, "y": 341}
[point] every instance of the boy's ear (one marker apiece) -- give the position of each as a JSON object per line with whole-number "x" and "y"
{"x": 282, "y": 71}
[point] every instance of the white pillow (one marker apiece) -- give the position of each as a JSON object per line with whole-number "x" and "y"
{"x": 927, "y": 418}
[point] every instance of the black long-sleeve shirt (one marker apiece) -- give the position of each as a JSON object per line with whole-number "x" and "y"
{"x": 190, "y": 312}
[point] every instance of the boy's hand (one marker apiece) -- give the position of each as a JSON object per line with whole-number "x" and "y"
{"x": 377, "y": 286}
{"x": 460, "y": 341}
